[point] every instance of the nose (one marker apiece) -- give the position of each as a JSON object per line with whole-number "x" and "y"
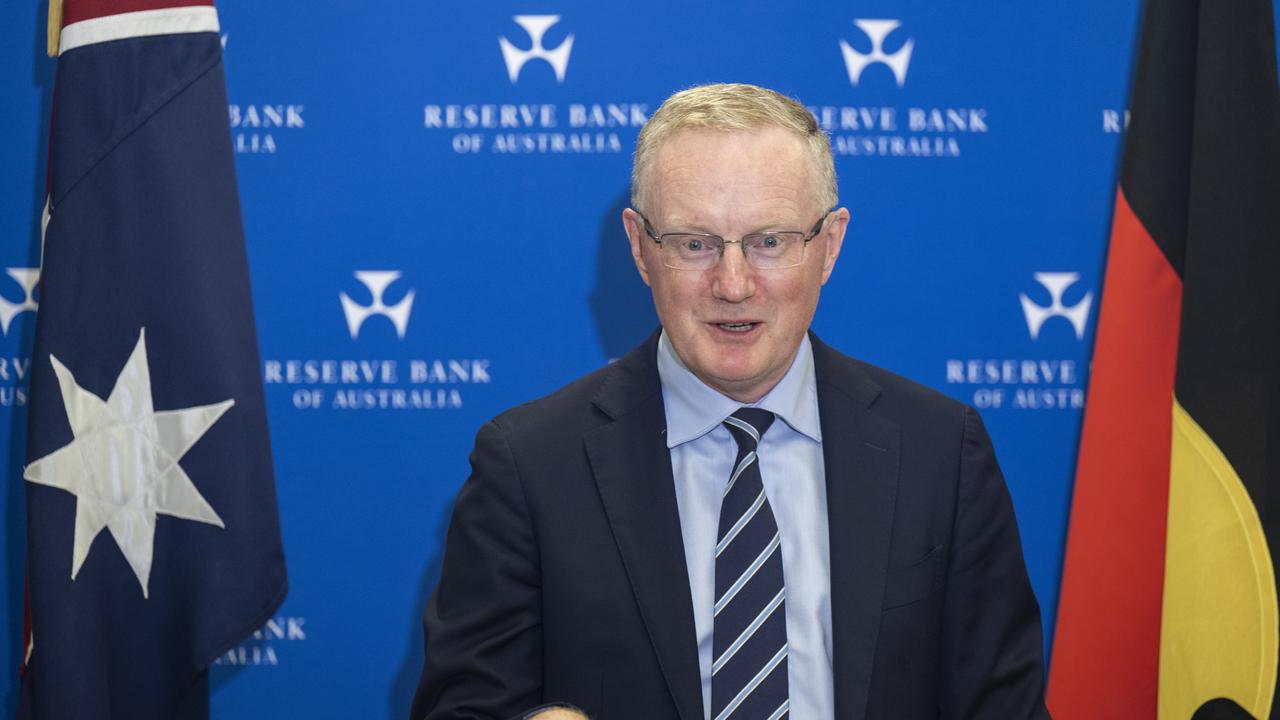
{"x": 732, "y": 278}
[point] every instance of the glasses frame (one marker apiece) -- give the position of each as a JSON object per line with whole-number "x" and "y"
{"x": 658, "y": 240}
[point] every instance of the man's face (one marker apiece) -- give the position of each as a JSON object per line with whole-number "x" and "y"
{"x": 735, "y": 327}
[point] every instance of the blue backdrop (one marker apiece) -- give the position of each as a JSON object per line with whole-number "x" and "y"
{"x": 467, "y": 207}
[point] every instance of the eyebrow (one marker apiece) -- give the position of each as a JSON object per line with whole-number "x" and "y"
{"x": 777, "y": 226}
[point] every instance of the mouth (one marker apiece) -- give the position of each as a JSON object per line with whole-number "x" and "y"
{"x": 737, "y": 327}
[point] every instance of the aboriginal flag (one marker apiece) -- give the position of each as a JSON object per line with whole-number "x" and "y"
{"x": 1168, "y": 606}
{"x": 153, "y": 534}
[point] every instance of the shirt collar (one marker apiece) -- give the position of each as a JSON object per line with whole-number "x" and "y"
{"x": 695, "y": 409}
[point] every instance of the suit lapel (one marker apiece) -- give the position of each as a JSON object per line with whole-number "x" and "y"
{"x": 632, "y": 467}
{"x": 860, "y": 451}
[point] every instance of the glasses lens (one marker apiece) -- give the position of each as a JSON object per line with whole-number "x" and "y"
{"x": 769, "y": 251}
{"x": 693, "y": 252}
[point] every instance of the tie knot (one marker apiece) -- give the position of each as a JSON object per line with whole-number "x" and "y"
{"x": 748, "y": 425}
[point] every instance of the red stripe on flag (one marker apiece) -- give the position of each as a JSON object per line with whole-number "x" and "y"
{"x": 1106, "y": 654}
{"x": 74, "y": 11}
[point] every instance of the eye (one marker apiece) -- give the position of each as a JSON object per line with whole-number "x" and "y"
{"x": 770, "y": 241}
{"x": 695, "y": 244}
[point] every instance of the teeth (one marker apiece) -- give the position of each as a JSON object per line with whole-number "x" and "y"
{"x": 736, "y": 327}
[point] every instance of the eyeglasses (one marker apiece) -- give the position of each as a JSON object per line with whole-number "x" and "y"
{"x": 763, "y": 251}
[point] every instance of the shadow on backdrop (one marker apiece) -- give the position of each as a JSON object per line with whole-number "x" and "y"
{"x": 621, "y": 304}
{"x": 406, "y": 679}
{"x": 23, "y": 327}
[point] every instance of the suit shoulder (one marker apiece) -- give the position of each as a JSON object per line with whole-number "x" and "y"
{"x": 565, "y": 407}
{"x": 607, "y": 392}
{"x": 903, "y": 389}
{"x": 891, "y": 394}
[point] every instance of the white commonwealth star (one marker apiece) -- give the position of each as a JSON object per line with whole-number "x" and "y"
{"x": 123, "y": 466}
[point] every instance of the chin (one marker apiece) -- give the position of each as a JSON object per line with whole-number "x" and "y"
{"x": 735, "y": 379}
{"x": 728, "y": 372}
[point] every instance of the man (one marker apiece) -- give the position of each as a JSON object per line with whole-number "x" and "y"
{"x": 734, "y": 520}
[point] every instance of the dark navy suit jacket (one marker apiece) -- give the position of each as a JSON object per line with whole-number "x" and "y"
{"x": 564, "y": 576}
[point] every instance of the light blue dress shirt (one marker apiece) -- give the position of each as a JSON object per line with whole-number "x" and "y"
{"x": 791, "y": 468}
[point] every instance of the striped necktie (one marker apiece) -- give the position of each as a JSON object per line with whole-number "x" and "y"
{"x": 749, "y": 644}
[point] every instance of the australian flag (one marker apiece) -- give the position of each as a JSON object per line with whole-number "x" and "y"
{"x": 154, "y": 541}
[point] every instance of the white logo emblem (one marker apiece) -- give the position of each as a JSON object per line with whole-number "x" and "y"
{"x": 377, "y": 282}
{"x": 1056, "y": 283}
{"x": 876, "y": 31}
{"x": 123, "y": 465}
{"x": 536, "y": 26}
{"x": 27, "y": 279}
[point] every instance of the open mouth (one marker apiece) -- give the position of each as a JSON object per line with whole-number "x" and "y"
{"x": 739, "y": 327}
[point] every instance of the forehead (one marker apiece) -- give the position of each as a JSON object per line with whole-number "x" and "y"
{"x": 691, "y": 148}
{"x": 768, "y": 165}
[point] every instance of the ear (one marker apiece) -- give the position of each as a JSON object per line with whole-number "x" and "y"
{"x": 638, "y": 238}
{"x": 834, "y": 231}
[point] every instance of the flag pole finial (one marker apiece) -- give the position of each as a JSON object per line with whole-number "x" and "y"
{"x": 55, "y": 26}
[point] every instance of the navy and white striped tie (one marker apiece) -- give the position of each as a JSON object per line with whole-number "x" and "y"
{"x": 749, "y": 643}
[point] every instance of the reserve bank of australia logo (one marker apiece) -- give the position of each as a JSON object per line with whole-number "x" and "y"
{"x": 536, "y": 26}
{"x": 877, "y": 31}
{"x": 26, "y": 279}
{"x": 377, "y": 282}
{"x": 1056, "y": 283}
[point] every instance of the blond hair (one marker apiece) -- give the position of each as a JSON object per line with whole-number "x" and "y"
{"x": 733, "y": 107}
